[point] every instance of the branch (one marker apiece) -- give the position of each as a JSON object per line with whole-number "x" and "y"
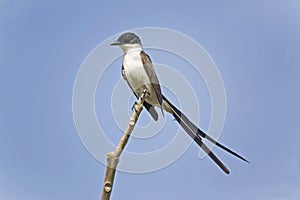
{"x": 113, "y": 157}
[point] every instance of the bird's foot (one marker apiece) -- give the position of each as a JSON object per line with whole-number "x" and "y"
{"x": 133, "y": 106}
{"x": 145, "y": 94}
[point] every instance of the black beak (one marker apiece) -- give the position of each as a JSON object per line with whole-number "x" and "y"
{"x": 115, "y": 43}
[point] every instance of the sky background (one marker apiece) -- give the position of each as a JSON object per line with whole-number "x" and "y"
{"x": 255, "y": 45}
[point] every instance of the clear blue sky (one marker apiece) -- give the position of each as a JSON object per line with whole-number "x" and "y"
{"x": 255, "y": 45}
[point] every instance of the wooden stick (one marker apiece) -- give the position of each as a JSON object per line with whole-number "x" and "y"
{"x": 113, "y": 157}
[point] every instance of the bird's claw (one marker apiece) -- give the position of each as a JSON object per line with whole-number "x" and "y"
{"x": 146, "y": 94}
{"x": 133, "y": 107}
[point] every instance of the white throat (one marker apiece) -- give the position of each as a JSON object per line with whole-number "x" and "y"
{"x": 127, "y": 48}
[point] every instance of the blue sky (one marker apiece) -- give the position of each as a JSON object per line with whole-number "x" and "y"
{"x": 255, "y": 45}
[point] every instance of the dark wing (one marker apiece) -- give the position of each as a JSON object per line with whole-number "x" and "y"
{"x": 148, "y": 66}
{"x": 149, "y": 107}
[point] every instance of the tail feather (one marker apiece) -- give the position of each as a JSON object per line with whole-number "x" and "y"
{"x": 199, "y": 141}
{"x": 220, "y": 145}
{"x": 197, "y": 135}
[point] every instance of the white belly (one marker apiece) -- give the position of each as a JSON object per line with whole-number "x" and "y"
{"x": 137, "y": 76}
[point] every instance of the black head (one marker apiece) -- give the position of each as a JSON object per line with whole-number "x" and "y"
{"x": 127, "y": 38}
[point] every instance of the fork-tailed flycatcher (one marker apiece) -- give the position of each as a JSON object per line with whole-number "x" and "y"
{"x": 138, "y": 71}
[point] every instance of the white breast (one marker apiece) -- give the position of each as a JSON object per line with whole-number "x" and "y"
{"x": 134, "y": 70}
{"x": 137, "y": 76}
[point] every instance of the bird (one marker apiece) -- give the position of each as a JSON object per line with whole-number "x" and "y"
{"x": 138, "y": 71}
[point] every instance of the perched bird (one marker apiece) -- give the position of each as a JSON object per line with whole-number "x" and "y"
{"x": 138, "y": 71}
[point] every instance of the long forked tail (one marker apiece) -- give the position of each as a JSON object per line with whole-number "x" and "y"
{"x": 193, "y": 131}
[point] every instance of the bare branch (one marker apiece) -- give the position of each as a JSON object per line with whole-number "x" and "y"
{"x": 113, "y": 157}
